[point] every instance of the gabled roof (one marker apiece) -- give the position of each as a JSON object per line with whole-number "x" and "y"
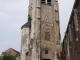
{"x": 12, "y": 50}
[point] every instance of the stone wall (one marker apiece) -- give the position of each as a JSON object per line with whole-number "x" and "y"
{"x": 71, "y": 41}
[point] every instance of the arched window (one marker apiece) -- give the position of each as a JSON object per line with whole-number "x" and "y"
{"x": 46, "y": 54}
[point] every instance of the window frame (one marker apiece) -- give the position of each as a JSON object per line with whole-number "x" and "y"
{"x": 43, "y": 2}
{"x": 46, "y": 51}
{"x": 46, "y": 2}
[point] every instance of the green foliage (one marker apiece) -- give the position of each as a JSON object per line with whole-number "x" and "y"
{"x": 29, "y": 18}
{"x": 8, "y": 56}
{"x": 1, "y": 58}
{"x": 18, "y": 54}
{"x": 27, "y": 53}
{"x": 62, "y": 46}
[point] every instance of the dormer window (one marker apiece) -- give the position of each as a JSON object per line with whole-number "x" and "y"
{"x": 46, "y": 2}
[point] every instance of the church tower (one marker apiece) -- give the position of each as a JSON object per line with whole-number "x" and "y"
{"x": 41, "y": 34}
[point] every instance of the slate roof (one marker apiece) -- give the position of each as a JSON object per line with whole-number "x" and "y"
{"x": 26, "y": 24}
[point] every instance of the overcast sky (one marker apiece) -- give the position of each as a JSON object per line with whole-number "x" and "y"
{"x": 13, "y": 14}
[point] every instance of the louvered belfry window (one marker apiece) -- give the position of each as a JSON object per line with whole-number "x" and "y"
{"x": 46, "y": 2}
{"x": 43, "y": 1}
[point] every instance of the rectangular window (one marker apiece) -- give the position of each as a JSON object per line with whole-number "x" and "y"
{"x": 42, "y": 1}
{"x": 46, "y": 51}
{"x": 46, "y": 59}
{"x": 48, "y": 1}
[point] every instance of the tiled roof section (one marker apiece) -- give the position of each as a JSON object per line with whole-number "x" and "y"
{"x": 14, "y": 50}
{"x": 26, "y": 25}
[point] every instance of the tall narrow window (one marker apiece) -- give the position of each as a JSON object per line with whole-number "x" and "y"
{"x": 46, "y": 51}
{"x": 43, "y": 1}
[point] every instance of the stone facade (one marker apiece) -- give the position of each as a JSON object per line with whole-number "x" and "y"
{"x": 71, "y": 42}
{"x": 41, "y": 38}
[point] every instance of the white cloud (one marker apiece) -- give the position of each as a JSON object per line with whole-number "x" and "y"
{"x": 19, "y": 17}
{"x": 65, "y": 8}
{"x": 16, "y": 26}
{"x": 13, "y": 14}
{"x": 6, "y": 45}
{"x": 19, "y": 5}
{"x": 9, "y": 43}
{"x": 4, "y": 16}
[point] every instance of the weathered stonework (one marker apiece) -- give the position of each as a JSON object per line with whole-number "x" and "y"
{"x": 44, "y": 32}
{"x": 71, "y": 42}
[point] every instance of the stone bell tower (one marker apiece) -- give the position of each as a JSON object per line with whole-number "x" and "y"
{"x": 41, "y": 36}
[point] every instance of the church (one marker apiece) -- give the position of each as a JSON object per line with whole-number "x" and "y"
{"x": 40, "y": 37}
{"x": 71, "y": 41}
